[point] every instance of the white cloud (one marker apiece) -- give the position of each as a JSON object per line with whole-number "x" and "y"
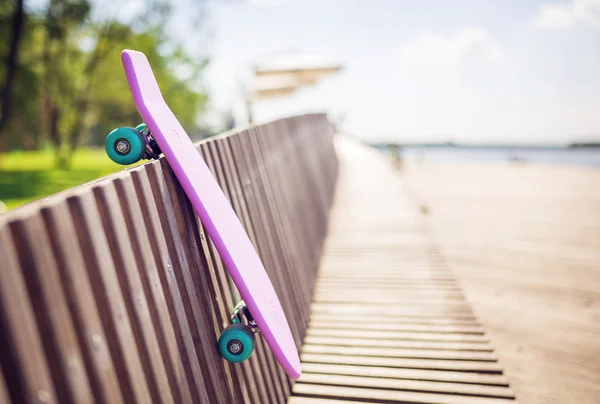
{"x": 265, "y": 2}
{"x": 554, "y": 16}
{"x": 468, "y": 45}
{"x": 565, "y": 15}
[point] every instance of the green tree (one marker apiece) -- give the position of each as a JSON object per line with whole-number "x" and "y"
{"x": 16, "y": 32}
{"x": 69, "y": 84}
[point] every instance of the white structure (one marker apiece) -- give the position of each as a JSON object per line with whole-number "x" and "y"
{"x": 282, "y": 75}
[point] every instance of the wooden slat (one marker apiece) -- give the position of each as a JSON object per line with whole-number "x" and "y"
{"x": 80, "y": 297}
{"x": 133, "y": 212}
{"x": 4, "y": 394}
{"x": 256, "y": 366}
{"x": 389, "y": 284}
{"x": 22, "y": 355}
{"x": 411, "y": 374}
{"x": 51, "y": 310}
{"x": 397, "y": 326}
{"x": 278, "y": 387}
{"x": 143, "y": 326}
{"x": 312, "y": 400}
{"x": 407, "y": 385}
{"x": 388, "y": 352}
{"x": 181, "y": 266}
{"x": 391, "y": 396}
{"x": 276, "y": 372}
{"x": 445, "y": 312}
{"x": 372, "y": 319}
{"x": 415, "y": 363}
{"x": 182, "y": 349}
{"x": 255, "y": 193}
{"x": 397, "y": 343}
{"x": 412, "y": 292}
{"x": 109, "y": 299}
{"x": 396, "y": 335}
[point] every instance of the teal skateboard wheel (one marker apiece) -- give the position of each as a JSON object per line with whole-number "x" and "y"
{"x": 236, "y": 343}
{"x": 125, "y": 145}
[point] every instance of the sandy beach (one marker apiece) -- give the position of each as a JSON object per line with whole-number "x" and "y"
{"x": 524, "y": 242}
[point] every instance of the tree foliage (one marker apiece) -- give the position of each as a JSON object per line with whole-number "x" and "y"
{"x": 69, "y": 87}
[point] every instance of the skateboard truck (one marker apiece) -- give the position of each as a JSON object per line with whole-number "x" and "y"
{"x": 236, "y": 342}
{"x": 129, "y": 145}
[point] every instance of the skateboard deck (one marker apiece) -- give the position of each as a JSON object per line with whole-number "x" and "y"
{"x": 215, "y": 212}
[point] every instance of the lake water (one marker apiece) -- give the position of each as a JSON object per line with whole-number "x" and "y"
{"x": 572, "y": 156}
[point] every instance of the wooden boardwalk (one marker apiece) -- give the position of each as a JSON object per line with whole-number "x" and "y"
{"x": 388, "y": 321}
{"x": 524, "y": 242}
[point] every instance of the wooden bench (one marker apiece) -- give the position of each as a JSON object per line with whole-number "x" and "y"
{"x": 112, "y": 293}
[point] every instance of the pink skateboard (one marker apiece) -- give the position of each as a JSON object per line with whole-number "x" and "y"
{"x": 260, "y": 309}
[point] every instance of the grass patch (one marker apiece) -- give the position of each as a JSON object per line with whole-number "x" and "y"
{"x": 26, "y": 176}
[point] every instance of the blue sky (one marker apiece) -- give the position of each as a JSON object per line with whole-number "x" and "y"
{"x": 503, "y": 71}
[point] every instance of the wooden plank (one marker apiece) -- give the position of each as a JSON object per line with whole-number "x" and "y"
{"x": 409, "y": 363}
{"x": 276, "y": 236}
{"x": 397, "y": 343}
{"x": 407, "y": 385}
{"x": 224, "y": 287}
{"x": 209, "y": 330}
{"x": 392, "y": 299}
{"x": 411, "y": 374}
{"x": 396, "y": 335}
{"x": 21, "y": 351}
{"x": 135, "y": 211}
{"x": 79, "y": 294}
{"x": 416, "y": 292}
{"x": 254, "y": 192}
{"x": 396, "y": 326}
{"x": 366, "y": 271}
{"x": 284, "y": 175}
{"x": 183, "y": 348}
{"x": 391, "y": 396}
{"x": 138, "y": 310}
{"x": 178, "y": 277}
{"x": 108, "y": 296}
{"x": 257, "y": 220}
{"x": 312, "y": 400}
{"x": 389, "y": 284}
{"x": 370, "y": 319}
{"x": 389, "y": 352}
{"x": 51, "y": 310}
{"x": 283, "y": 182}
{"x": 4, "y": 394}
{"x": 179, "y": 214}
{"x": 276, "y": 384}
{"x": 333, "y": 308}
{"x": 253, "y": 366}
{"x": 284, "y": 226}
{"x": 292, "y": 276}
